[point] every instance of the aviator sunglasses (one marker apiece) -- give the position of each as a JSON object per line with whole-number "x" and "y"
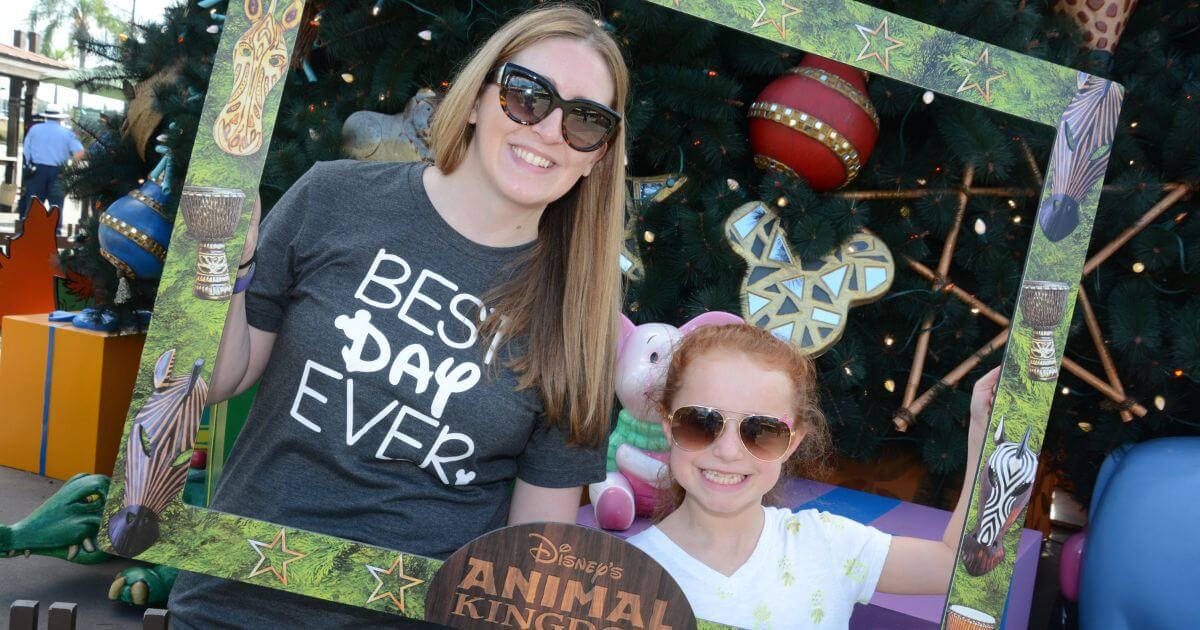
{"x": 695, "y": 428}
{"x": 527, "y": 97}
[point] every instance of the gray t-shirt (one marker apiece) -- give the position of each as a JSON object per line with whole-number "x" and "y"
{"x": 377, "y": 417}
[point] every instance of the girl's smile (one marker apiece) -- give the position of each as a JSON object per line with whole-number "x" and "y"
{"x": 724, "y": 481}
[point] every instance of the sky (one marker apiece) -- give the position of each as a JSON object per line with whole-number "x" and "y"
{"x": 14, "y": 16}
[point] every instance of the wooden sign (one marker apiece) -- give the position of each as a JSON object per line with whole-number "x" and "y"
{"x": 553, "y": 575}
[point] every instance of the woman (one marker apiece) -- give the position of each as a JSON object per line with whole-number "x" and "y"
{"x": 393, "y": 408}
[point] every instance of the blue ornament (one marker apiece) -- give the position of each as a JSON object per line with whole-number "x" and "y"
{"x": 135, "y": 232}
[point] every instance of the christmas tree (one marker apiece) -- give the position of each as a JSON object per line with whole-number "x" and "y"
{"x": 938, "y": 165}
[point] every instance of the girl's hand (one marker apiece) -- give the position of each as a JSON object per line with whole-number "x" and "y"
{"x": 923, "y": 567}
{"x": 982, "y": 398}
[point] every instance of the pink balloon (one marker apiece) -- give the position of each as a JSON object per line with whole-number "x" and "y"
{"x": 1070, "y": 566}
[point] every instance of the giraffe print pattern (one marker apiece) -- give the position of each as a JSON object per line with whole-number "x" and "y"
{"x": 1102, "y": 21}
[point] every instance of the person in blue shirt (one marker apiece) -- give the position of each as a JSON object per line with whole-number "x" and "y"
{"x": 48, "y": 146}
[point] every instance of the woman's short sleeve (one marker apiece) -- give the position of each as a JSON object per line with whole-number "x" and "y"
{"x": 275, "y": 255}
{"x": 548, "y": 462}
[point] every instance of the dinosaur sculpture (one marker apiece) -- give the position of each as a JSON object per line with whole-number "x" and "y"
{"x": 65, "y": 527}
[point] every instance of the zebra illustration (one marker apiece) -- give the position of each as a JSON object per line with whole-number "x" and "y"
{"x": 157, "y": 454}
{"x": 1006, "y": 490}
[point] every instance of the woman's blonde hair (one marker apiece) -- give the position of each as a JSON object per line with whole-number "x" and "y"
{"x": 772, "y": 354}
{"x": 563, "y": 306}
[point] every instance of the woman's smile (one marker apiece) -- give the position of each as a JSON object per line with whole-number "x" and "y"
{"x": 527, "y": 156}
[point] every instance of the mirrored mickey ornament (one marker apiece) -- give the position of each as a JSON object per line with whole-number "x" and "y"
{"x": 805, "y": 302}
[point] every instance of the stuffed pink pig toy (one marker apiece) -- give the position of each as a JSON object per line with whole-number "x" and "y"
{"x": 637, "y": 447}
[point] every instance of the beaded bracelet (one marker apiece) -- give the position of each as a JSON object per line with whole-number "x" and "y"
{"x": 243, "y": 282}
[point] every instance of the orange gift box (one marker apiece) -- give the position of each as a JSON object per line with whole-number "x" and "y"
{"x": 64, "y": 395}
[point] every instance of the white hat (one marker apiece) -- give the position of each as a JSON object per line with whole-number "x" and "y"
{"x": 53, "y": 111}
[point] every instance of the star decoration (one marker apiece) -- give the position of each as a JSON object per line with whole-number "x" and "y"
{"x": 780, "y": 24}
{"x": 1111, "y": 387}
{"x": 279, "y": 550}
{"x": 641, "y": 192}
{"x": 873, "y": 44}
{"x": 397, "y": 582}
{"x": 982, "y": 65}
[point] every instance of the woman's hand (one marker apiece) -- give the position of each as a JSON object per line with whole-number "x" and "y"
{"x": 535, "y": 504}
{"x": 244, "y": 350}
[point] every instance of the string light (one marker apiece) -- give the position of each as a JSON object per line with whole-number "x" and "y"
{"x": 781, "y": 202}
{"x": 648, "y": 236}
{"x": 1066, "y": 391}
{"x": 920, "y": 181}
{"x": 1017, "y": 219}
{"x": 889, "y": 385}
{"x": 980, "y": 227}
{"x": 1133, "y": 125}
{"x": 1139, "y": 267}
{"x": 1131, "y": 162}
{"x": 712, "y": 73}
{"x": 888, "y": 341}
{"x": 732, "y": 184}
{"x": 1160, "y": 403}
{"x": 849, "y": 372}
{"x": 1012, "y": 203}
{"x": 123, "y": 37}
{"x": 1086, "y": 427}
{"x": 905, "y": 211}
{"x": 927, "y": 97}
{"x": 1178, "y": 372}
{"x": 426, "y": 35}
{"x": 975, "y": 310}
{"x": 347, "y": 77}
{"x": 377, "y": 8}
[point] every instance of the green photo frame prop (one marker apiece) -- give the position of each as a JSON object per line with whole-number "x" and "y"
{"x": 149, "y": 521}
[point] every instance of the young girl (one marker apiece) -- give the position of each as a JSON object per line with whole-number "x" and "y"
{"x": 390, "y": 410}
{"x": 741, "y": 409}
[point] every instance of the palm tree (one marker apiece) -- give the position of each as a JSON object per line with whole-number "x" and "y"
{"x": 83, "y": 17}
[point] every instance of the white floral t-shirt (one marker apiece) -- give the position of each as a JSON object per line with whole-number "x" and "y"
{"x": 807, "y": 571}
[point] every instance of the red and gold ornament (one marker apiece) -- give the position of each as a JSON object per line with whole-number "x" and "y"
{"x": 815, "y": 122}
